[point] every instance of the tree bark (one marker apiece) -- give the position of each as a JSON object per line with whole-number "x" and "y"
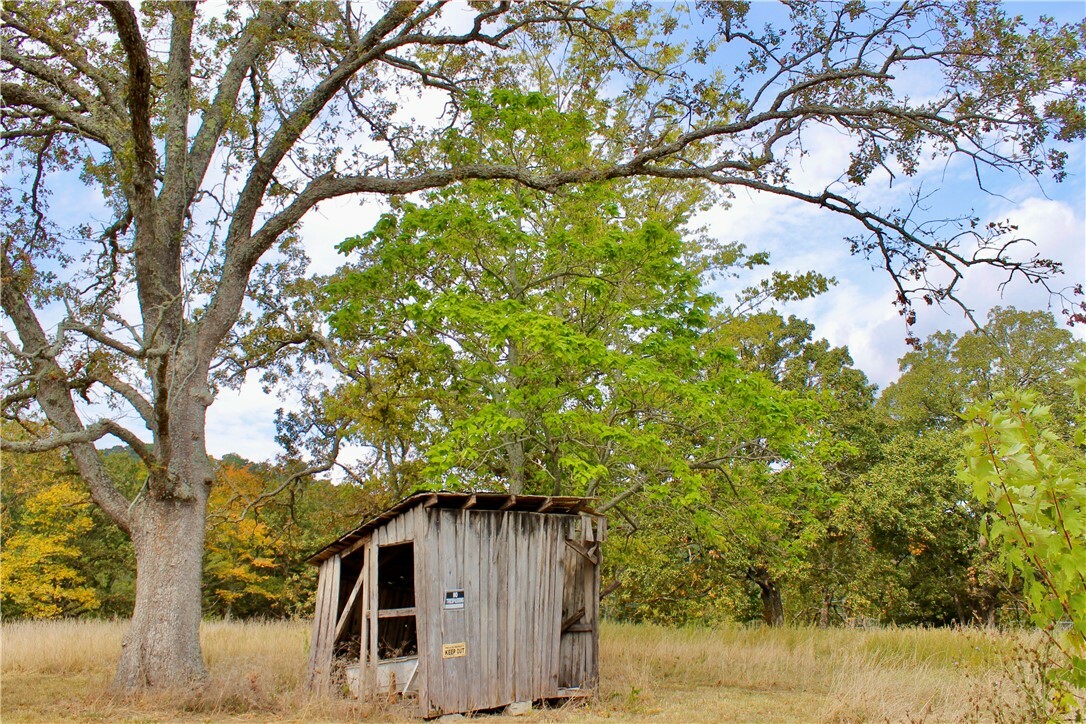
{"x": 161, "y": 647}
{"x": 772, "y": 604}
{"x": 824, "y": 611}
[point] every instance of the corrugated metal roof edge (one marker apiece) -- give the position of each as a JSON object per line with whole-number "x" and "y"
{"x": 547, "y": 504}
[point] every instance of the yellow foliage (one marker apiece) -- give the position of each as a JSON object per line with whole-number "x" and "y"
{"x": 37, "y": 579}
{"x": 240, "y": 548}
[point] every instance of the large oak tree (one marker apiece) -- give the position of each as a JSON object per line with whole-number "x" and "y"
{"x": 210, "y": 134}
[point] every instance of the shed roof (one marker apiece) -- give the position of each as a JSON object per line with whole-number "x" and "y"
{"x": 476, "y": 501}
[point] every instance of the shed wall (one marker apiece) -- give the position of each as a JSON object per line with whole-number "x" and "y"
{"x": 508, "y": 565}
{"x": 580, "y": 570}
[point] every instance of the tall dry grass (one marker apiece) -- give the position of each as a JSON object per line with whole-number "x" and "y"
{"x": 58, "y": 670}
{"x": 801, "y": 674}
{"x": 53, "y": 671}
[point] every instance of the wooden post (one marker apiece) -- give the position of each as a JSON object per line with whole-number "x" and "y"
{"x": 322, "y": 643}
{"x": 363, "y": 634}
{"x": 370, "y": 680}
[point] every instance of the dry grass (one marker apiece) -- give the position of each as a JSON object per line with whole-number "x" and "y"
{"x": 61, "y": 671}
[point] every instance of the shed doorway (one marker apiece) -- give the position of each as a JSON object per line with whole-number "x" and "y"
{"x": 397, "y": 627}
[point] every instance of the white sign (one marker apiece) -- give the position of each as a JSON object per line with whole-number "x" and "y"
{"x": 454, "y": 599}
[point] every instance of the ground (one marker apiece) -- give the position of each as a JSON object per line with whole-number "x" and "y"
{"x": 61, "y": 671}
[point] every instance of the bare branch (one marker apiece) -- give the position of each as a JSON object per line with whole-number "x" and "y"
{"x": 173, "y": 199}
{"x": 138, "y": 99}
{"x": 101, "y": 373}
{"x": 89, "y": 434}
{"x": 322, "y": 467}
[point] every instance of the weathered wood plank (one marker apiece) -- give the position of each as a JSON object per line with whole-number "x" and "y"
{"x": 354, "y": 547}
{"x": 317, "y": 667}
{"x": 333, "y": 600}
{"x": 554, "y": 602}
{"x": 503, "y": 566}
{"x": 468, "y": 546}
{"x": 364, "y": 605}
{"x": 453, "y": 631}
{"x": 370, "y": 673}
{"x": 592, "y": 640}
{"x": 507, "y": 617}
{"x": 589, "y": 553}
{"x": 593, "y": 663}
{"x": 542, "y": 606}
{"x": 426, "y": 595}
{"x": 525, "y": 688}
{"x": 489, "y": 616}
{"x": 348, "y": 609}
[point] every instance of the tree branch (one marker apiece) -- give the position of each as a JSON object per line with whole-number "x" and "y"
{"x": 103, "y": 77}
{"x": 55, "y": 398}
{"x": 15, "y": 94}
{"x": 173, "y": 199}
{"x": 101, "y": 373}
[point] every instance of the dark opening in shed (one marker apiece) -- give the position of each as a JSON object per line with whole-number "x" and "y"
{"x": 463, "y": 602}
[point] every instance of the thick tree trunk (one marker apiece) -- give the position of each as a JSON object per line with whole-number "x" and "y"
{"x": 772, "y": 605}
{"x": 161, "y": 648}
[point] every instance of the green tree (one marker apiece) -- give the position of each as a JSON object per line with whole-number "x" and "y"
{"x": 1021, "y": 461}
{"x": 1014, "y": 350}
{"x": 917, "y": 514}
{"x": 512, "y": 327}
{"x": 819, "y": 565}
{"x": 562, "y": 345}
{"x": 210, "y": 138}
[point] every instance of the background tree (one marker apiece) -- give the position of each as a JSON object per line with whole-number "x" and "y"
{"x": 209, "y": 139}
{"x": 920, "y": 517}
{"x": 259, "y": 535}
{"x": 44, "y": 515}
{"x": 62, "y": 557}
{"x": 839, "y": 402}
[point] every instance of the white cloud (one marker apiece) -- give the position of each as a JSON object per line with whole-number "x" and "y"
{"x": 332, "y": 222}
{"x": 242, "y": 421}
{"x": 858, "y": 312}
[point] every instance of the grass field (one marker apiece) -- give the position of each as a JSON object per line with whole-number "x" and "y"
{"x": 61, "y": 671}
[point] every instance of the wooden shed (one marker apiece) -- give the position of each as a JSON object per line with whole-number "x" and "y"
{"x": 463, "y": 602}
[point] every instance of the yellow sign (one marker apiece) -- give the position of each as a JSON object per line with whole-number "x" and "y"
{"x": 452, "y": 651}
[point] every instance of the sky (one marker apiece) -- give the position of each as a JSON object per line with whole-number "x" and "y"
{"x": 856, "y": 312}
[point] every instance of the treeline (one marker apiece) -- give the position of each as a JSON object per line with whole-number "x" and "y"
{"x": 61, "y": 557}
{"x": 890, "y": 531}
{"x": 868, "y": 520}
